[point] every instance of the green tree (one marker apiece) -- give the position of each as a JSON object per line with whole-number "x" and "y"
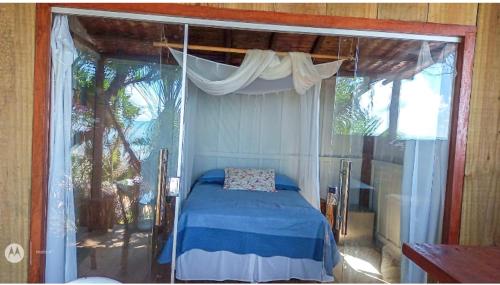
{"x": 109, "y": 143}
{"x": 349, "y": 117}
{"x": 102, "y": 115}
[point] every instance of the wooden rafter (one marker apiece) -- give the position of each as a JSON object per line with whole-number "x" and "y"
{"x": 228, "y": 44}
{"x": 272, "y": 40}
{"x": 318, "y": 42}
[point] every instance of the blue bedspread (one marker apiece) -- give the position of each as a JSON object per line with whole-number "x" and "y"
{"x": 267, "y": 224}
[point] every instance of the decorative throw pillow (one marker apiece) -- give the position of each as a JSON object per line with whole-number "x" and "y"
{"x": 249, "y": 179}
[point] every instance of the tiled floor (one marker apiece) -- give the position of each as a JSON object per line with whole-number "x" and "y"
{"x": 120, "y": 256}
{"x": 366, "y": 264}
{"x": 127, "y": 258}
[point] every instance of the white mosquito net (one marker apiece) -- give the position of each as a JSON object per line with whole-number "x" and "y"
{"x": 262, "y": 114}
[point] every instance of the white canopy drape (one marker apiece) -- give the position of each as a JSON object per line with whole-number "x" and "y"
{"x": 61, "y": 232}
{"x": 261, "y": 73}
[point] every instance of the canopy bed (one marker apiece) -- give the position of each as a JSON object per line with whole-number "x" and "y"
{"x": 273, "y": 110}
{"x": 295, "y": 83}
{"x": 264, "y": 236}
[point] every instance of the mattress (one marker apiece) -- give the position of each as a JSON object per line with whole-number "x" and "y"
{"x": 251, "y": 236}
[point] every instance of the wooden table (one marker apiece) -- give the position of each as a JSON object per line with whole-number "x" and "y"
{"x": 455, "y": 263}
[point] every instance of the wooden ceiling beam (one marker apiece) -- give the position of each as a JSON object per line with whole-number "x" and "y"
{"x": 403, "y": 52}
{"x": 316, "y": 46}
{"x": 404, "y": 73}
{"x": 409, "y": 70}
{"x": 84, "y": 44}
{"x": 132, "y": 47}
{"x": 228, "y": 42}
{"x": 272, "y": 40}
{"x": 102, "y": 41}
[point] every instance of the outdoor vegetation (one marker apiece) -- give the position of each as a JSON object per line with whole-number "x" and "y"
{"x": 119, "y": 107}
{"x": 349, "y": 117}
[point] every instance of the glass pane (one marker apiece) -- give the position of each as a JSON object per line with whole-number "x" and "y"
{"x": 391, "y": 118}
{"x": 126, "y": 108}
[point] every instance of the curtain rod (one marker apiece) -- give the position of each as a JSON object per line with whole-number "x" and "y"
{"x": 239, "y": 50}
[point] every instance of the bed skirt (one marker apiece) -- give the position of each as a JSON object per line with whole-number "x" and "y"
{"x": 197, "y": 264}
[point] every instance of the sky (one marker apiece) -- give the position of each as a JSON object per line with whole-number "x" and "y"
{"x": 424, "y": 104}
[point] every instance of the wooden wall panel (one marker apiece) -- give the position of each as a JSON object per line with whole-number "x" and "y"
{"x": 451, "y": 13}
{"x": 365, "y": 10}
{"x": 368, "y": 10}
{"x": 497, "y": 158}
{"x": 481, "y": 204}
{"x": 243, "y": 6}
{"x": 17, "y": 30}
{"x": 301, "y": 8}
{"x": 404, "y": 12}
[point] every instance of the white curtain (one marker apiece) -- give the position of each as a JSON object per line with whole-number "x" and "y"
{"x": 60, "y": 263}
{"x": 261, "y": 73}
{"x": 423, "y": 188}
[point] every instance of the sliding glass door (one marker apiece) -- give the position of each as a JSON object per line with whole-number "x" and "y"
{"x": 384, "y": 138}
{"x": 126, "y": 123}
{"x": 390, "y": 136}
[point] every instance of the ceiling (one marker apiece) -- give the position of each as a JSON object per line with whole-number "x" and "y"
{"x": 377, "y": 58}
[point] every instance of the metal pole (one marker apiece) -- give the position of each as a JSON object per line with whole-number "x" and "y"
{"x": 179, "y": 157}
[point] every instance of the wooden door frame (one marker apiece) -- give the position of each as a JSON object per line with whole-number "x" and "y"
{"x": 41, "y": 103}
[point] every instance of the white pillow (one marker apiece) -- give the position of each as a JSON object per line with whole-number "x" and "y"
{"x": 249, "y": 179}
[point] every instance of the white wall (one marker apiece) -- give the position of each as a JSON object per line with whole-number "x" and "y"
{"x": 386, "y": 178}
{"x": 246, "y": 131}
{"x": 260, "y": 131}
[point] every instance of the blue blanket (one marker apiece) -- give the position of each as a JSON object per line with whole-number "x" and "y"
{"x": 267, "y": 224}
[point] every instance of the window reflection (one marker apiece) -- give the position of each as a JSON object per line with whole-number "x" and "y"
{"x": 391, "y": 118}
{"x": 125, "y": 108}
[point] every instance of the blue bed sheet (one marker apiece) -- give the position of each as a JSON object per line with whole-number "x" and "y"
{"x": 267, "y": 224}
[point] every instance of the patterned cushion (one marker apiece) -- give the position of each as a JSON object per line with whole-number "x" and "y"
{"x": 249, "y": 179}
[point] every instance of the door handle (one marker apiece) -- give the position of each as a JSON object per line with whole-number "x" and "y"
{"x": 343, "y": 196}
{"x": 160, "y": 200}
{"x": 346, "y": 184}
{"x": 161, "y": 186}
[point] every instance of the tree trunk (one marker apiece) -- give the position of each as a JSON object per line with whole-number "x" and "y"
{"x": 99, "y": 112}
{"x": 99, "y": 210}
{"x": 394, "y": 109}
{"x": 136, "y": 164}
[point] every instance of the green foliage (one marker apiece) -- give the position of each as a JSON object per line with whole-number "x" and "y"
{"x": 115, "y": 165}
{"x": 81, "y": 168}
{"x": 163, "y": 103}
{"x": 84, "y": 71}
{"x": 124, "y": 110}
{"x": 349, "y": 117}
{"x": 158, "y": 86}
